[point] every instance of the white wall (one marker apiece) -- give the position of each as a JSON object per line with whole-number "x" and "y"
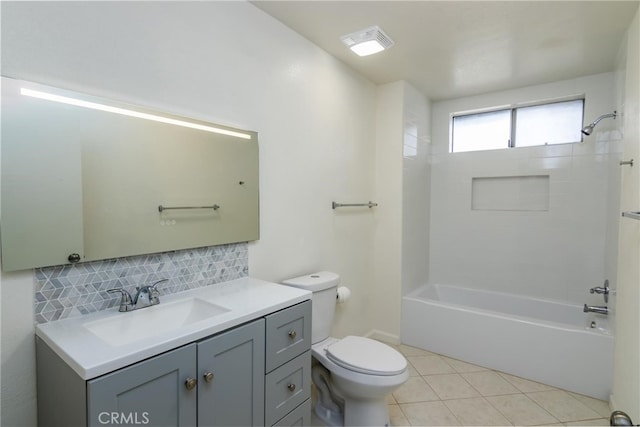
{"x": 388, "y": 240}
{"x": 559, "y": 253}
{"x": 626, "y": 375}
{"x": 225, "y": 62}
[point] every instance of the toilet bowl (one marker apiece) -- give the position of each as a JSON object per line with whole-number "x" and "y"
{"x": 353, "y": 375}
{"x": 362, "y": 373}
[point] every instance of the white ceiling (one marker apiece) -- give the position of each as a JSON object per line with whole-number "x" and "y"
{"x": 449, "y": 49}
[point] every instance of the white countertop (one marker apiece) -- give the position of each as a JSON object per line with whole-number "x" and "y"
{"x": 90, "y": 356}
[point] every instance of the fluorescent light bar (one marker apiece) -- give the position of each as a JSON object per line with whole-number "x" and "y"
{"x": 130, "y": 113}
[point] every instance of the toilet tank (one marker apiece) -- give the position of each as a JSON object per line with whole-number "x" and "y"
{"x": 324, "y": 285}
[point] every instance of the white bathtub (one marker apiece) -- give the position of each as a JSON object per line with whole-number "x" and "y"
{"x": 541, "y": 340}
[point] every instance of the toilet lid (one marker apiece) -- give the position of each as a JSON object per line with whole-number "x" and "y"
{"x": 366, "y": 356}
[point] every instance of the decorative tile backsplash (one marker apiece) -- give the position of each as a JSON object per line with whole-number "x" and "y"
{"x": 73, "y": 290}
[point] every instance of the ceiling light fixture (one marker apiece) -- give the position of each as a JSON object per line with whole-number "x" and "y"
{"x": 368, "y": 41}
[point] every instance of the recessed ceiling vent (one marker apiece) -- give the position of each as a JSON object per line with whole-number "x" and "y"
{"x": 368, "y": 41}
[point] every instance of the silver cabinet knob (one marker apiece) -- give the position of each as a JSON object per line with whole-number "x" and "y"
{"x": 191, "y": 383}
{"x": 291, "y": 387}
{"x": 208, "y": 376}
{"x": 292, "y": 334}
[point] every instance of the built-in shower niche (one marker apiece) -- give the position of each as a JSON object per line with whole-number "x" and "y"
{"x": 510, "y": 193}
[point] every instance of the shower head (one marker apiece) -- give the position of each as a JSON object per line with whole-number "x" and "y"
{"x": 589, "y": 128}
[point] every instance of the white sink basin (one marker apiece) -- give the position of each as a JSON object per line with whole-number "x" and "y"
{"x": 129, "y": 327}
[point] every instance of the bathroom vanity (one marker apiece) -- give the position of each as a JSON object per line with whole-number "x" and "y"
{"x": 234, "y": 353}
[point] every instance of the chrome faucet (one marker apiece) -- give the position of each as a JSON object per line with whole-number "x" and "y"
{"x": 596, "y": 309}
{"x": 145, "y": 296}
{"x": 604, "y": 291}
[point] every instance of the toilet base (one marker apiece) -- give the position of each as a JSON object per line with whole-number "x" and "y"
{"x": 328, "y": 416}
{"x": 356, "y": 413}
{"x": 372, "y": 412}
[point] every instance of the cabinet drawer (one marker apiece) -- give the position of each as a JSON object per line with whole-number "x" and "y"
{"x": 301, "y": 416}
{"x": 288, "y": 334}
{"x": 287, "y": 387}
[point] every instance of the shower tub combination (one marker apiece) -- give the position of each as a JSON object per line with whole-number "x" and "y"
{"x": 546, "y": 341}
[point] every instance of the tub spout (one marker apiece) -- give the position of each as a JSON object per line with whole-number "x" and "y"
{"x": 596, "y": 309}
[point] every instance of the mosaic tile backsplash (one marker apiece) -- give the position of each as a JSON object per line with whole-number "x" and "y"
{"x": 74, "y": 290}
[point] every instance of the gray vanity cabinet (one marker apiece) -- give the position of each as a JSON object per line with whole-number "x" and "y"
{"x": 288, "y": 366}
{"x": 231, "y": 377}
{"x": 152, "y": 392}
{"x": 227, "y": 379}
{"x": 218, "y": 381}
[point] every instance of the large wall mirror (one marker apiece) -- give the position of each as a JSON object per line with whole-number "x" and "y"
{"x": 84, "y": 178}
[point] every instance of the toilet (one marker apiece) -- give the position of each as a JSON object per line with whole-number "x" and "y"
{"x": 353, "y": 375}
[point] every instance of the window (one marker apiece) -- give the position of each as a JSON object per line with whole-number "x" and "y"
{"x": 543, "y": 124}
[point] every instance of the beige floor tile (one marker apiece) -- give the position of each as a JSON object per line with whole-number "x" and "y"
{"x": 598, "y": 422}
{"x": 600, "y": 406}
{"x": 563, "y": 406}
{"x": 476, "y": 412}
{"x": 411, "y": 369}
{"x": 429, "y": 414}
{"x": 450, "y": 386}
{"x": 430, "y": 365}
{"x": 489, "y": 383}
{"x": 391, "y": 400}
{"x": 461, "y": 366}
{"x": 415, "y": 389}
{"x": 521, "y": 410}
{"x": 524, "y": 385}
{"x": 552, "y": 425}
{"x": 396, "y": 417}
{"x": 408, "y": 350}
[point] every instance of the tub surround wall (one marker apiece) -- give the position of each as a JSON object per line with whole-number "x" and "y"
{"x": 74, "y": 290}
{"x": 313, "y": 114}
{"x": 557, "y": 250}
{"x": 416, "y": 178}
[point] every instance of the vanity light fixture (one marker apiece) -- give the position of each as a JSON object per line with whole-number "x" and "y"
{"x": 368, "y": 41}
{"x": 130, "y": 113}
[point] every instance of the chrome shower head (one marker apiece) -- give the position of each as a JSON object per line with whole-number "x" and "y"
{"x": 589, "y": 128}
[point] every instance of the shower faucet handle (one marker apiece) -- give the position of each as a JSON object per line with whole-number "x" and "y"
{"x": 602, "y": 290}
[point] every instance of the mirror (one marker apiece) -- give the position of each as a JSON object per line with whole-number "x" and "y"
{"x": 84, "y": 178}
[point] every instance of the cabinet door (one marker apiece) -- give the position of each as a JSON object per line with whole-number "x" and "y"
{"x": 152, "y": 392}
{"x": 287, "y": 387}
{"x": 288, "y": 334}
{"x": 231, "y": 377}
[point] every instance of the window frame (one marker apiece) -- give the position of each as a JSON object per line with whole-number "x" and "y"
{"x": 513, "y": 122}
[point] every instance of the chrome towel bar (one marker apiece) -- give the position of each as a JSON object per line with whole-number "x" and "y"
{"x": 633, "y": 215}
{"x": 165, "y": 208}
{"x": 348, "y": 205}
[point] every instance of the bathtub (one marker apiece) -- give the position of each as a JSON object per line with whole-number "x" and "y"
{"x": 542, "y": 340}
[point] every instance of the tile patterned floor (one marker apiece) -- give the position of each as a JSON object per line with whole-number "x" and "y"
{"x": 446, "y": 392}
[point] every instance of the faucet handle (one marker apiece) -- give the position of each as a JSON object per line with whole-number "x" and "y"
{"x": 158, "y": 282}
{"x": 126, "y": 302}
{"x": 154, "y": 294}
{"x": 602, "y": 290}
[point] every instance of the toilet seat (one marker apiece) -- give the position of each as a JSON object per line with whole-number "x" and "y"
{"x": 366, "y": 356}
